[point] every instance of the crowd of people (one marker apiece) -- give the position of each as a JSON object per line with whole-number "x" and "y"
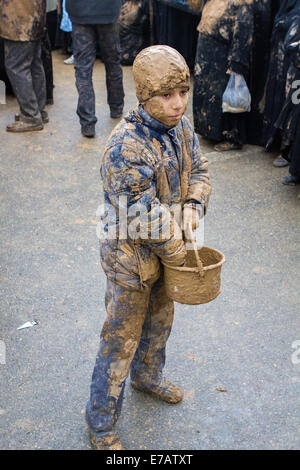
{"x": 255, "y": 39}
{"x": 246, "y": 69}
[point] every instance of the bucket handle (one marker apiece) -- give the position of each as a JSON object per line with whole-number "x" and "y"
{"x": 200, "y": 268}
{"x": 199, "y": 262}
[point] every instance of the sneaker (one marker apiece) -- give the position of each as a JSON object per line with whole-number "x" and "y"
{"x": 70, "y": 60}
{"x": 290, "y": 180}
{"x": 20, "y": 126}
{"x": 280, "y": 162}
{"x": 88, "y": 130}
{"x": 105, "y": 440}
{"x": 116, "y": 113}
{"x": 164, "y": 391}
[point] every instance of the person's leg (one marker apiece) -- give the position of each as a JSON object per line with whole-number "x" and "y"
{"x": 234, "y": 132}
{"x": 149, "y": 360}
{"x": 39, "y": 78}
{"x": 292, "y": 154}
{"x": 18, "y": 62}
{"x": 48, "y": 67}
{"x": 84, "y": 43}
{"x": 109, "y": 44}
{"x": 120, "y": 336}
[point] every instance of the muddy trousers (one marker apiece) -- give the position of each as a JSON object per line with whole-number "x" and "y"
{"x": 85, "y": 39}
{"x": 25, "y": 71}
{"x": 133, "y": 338}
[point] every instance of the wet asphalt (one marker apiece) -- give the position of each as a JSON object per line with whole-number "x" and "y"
{"x": 237, "y": 358}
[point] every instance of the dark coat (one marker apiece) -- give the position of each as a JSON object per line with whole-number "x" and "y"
{"x": 134, "y": 29}
{"x": 93, "y": 11}
{"x": 287, "y": 127}
{"x": 22, "y": 20}
{"x": 168, "y": 20}
{"x": 278, "y": 67}
{"x": 236, "y": 38}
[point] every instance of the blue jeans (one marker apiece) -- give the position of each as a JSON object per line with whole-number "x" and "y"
{"x": 85, "y": 38}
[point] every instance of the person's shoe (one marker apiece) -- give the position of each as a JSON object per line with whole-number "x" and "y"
{"x": 44, "y": 114}
{"x": 164, "y": 391}
{"x": 290, "y": 180}
{"x": 280, "y": 162}
{"x": 45, "y": 117}
{"x": 88, "y": 130}
{"x": 116, "y": 113}
{"x": 105, "y": 440}
{"x": 226, "y": 146}
{"x": 21, "y": 126}
{"x": 70, "y": 60}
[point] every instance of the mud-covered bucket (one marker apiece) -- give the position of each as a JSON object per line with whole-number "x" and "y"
{"x": 199, "y": 280}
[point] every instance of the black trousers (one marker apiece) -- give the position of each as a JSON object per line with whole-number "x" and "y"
{"x": 85, "y": 39}
{"x": 25, "y": 71}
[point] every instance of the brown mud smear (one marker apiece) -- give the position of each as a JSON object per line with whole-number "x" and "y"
{"x": 214, "y": 10}
{"x": 211, "y": 14}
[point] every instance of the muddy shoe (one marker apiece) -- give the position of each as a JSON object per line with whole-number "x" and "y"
{"x": 105, "y": 441}
{"x": 20, "y": 126}
{"x": 227, "y": 146}
{"x": 45, "y": 117}
{"x": 164, "y": 391}
{"x": 44, "y": 114}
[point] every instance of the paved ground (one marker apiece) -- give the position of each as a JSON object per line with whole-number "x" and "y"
{"x": 50, "y": 271}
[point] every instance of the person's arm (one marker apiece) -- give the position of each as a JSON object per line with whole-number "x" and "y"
{"x": 129, "y": 179}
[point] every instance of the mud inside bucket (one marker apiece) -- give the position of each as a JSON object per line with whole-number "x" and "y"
{"x": 193, "y": 284}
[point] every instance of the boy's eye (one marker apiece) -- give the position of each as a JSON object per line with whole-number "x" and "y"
{"x": 184, "y": 92}
{"x": 166, "y": 95}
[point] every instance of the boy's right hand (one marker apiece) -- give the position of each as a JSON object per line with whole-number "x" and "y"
{"x": 191, "y": 220}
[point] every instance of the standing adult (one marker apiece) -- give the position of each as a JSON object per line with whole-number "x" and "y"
{"x": 277, "y": 75}
{"x": 287, "y": 126}
{"x": 224, "y": 42}
{"x": 22, "y": 25}
{"x": 96, "y": 22}
{"x": 233, "y": 37}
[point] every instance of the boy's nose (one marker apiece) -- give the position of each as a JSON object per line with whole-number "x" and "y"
{"x": 177, "y": 102}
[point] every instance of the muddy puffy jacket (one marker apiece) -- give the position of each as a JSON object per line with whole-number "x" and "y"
{"x": 22, "y": 20}
{"x": 149, "y": 166}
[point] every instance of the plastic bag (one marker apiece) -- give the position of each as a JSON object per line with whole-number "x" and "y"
{"x": 236, "y": 98}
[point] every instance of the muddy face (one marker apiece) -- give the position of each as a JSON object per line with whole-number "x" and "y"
{"x": 169, "y": 107}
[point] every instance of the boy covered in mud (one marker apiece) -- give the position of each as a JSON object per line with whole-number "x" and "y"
{"x": 152, "y": 163}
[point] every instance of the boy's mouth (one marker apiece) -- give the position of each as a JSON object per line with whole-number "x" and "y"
{"x": 175, "y": 116}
